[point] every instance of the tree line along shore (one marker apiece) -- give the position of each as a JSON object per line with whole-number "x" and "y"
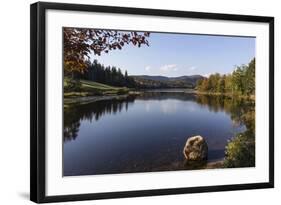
{"x": 99, "y": 80}
{"x": 241, "y": 82}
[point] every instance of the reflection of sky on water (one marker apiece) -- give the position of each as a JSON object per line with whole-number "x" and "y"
{"x": 149, "y": 134}
{"x": 169, "y": 106}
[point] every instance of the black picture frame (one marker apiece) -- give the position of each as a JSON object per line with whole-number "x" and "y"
{"x": 38, "y": 103}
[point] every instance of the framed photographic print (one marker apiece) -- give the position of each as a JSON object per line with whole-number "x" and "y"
{"x": 129, "y": 102}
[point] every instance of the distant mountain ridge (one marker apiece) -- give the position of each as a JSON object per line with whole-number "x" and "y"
{"x": 149, "y": 81}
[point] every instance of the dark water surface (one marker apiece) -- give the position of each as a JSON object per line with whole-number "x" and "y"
{"x": 146, "y": 132}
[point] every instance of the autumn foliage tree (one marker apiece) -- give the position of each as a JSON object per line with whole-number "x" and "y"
{"x": 240, "y": 82}
{"x": 79, "y": 43}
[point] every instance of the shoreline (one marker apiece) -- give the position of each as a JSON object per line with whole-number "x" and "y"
{"x": 230, "y": 95}
{"x": 94, "y": 98}
{"x": 215, "y": 164}
{"x": 88, "y": 99}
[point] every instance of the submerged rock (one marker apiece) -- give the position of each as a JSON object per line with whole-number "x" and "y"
{"x": 196, "y": 149}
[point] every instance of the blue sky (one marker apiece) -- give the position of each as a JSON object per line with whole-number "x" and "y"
{"x": 182, "y": 54}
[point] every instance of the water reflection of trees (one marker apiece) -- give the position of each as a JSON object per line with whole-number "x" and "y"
{"x": 237, "y": 108}
{"x": 240, "y": 151}
{"x": 76, "y": 113}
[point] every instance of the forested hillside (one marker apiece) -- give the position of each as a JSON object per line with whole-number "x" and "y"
{"x": 109, "y": 75}
{"x": 113, "y": 76}
{"x": 146, "y": 81}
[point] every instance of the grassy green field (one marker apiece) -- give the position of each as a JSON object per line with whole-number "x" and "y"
{"x": 90, "y": 88}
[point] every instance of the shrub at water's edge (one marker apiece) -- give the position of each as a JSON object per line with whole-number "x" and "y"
{"x": 240, "y": 151}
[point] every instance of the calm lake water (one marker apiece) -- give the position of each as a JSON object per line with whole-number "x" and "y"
{"x": 146, "y": 132}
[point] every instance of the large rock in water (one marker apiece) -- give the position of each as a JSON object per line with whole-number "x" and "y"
{"x": 196, "y": 149}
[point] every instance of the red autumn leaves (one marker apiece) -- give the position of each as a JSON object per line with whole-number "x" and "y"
{"x": 79, "y": 43}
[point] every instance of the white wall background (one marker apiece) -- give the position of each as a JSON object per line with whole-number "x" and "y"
{"x": 14, "y": 100}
